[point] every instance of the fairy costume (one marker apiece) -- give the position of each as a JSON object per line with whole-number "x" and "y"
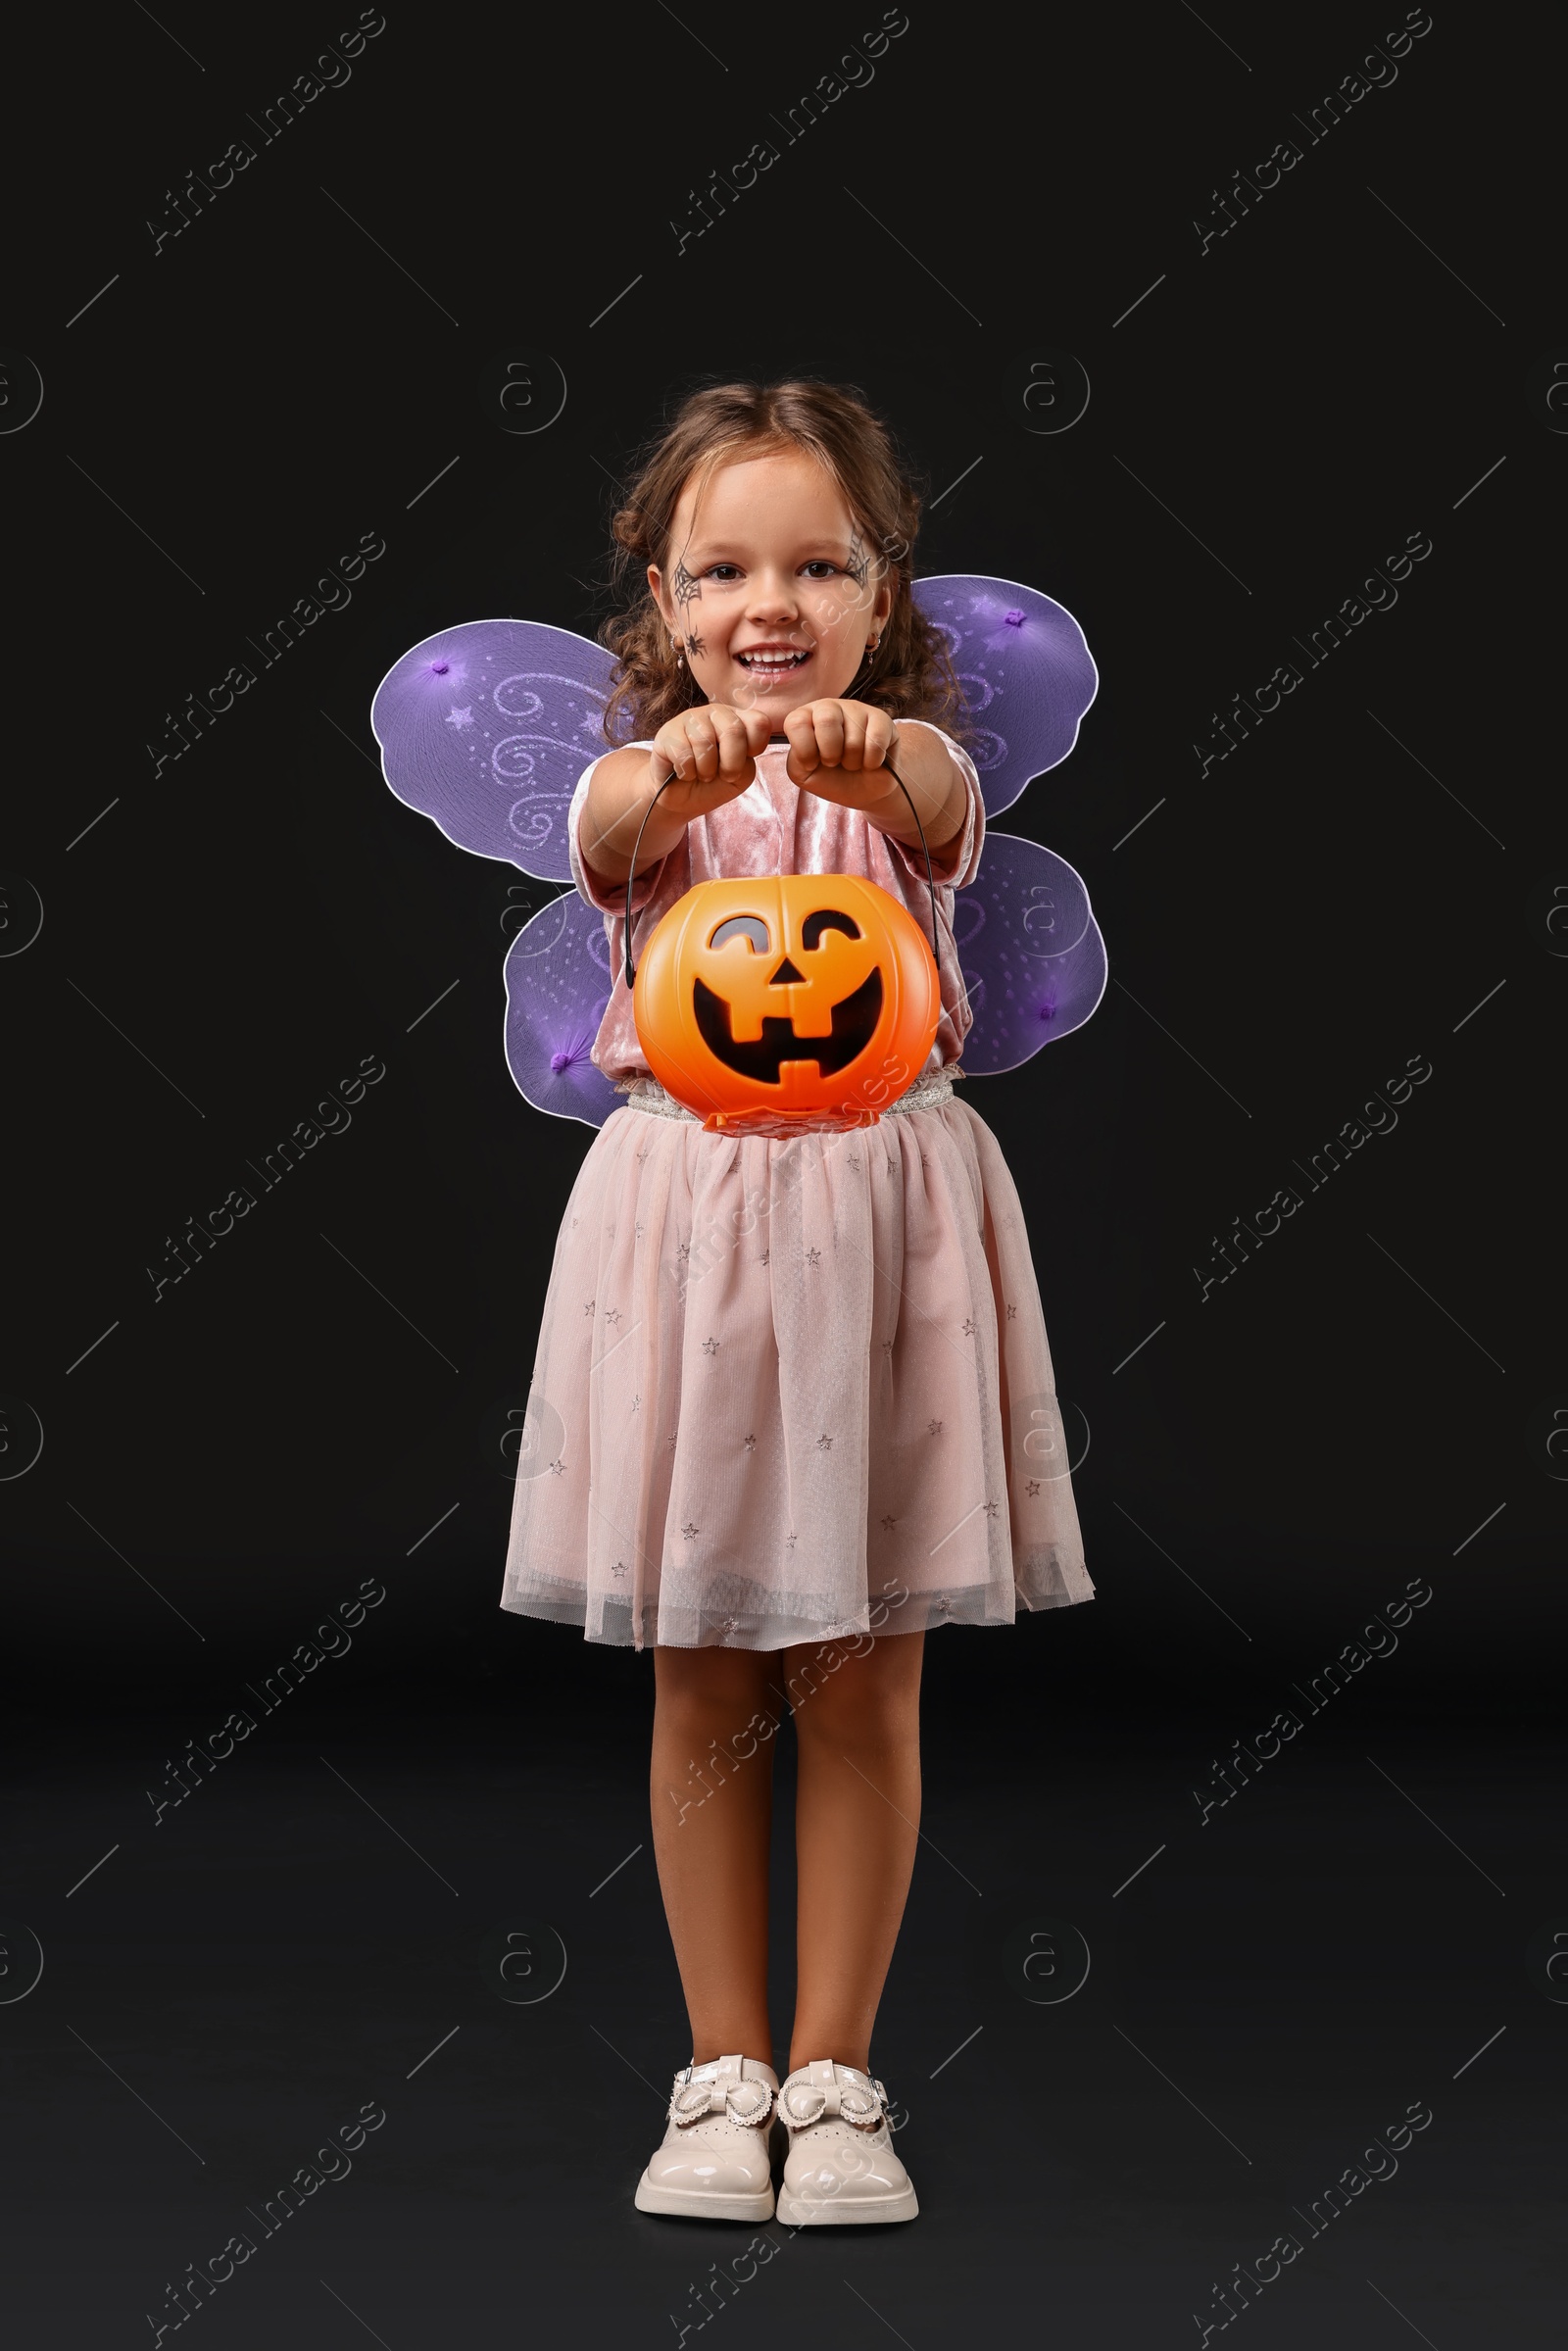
{"x": 784, "y": 1390}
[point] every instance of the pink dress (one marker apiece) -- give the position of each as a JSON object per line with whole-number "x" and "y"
{"x": 792, "y": 1389}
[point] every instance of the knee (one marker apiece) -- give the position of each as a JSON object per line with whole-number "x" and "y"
{"x": 707, "y": 1693}
{"x": 853, "y": 1710}
{"x": 693, "y": 1717}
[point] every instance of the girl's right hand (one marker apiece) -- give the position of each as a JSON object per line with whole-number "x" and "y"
{"x": 707, "y": 754}
{"x": 711, "y": 752}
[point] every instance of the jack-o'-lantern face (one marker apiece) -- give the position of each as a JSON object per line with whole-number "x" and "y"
{"x": 802, "y": 996}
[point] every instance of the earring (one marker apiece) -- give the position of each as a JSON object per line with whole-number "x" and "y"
{"x": 874, "y": 643}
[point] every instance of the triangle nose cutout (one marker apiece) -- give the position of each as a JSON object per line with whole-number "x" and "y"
{"x": 784, "y": 974}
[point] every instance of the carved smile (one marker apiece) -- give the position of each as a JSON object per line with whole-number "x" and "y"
{"x": 854, "y": 1020}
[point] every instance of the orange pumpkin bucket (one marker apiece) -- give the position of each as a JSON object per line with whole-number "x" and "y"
{"x": 785, "y": 1000}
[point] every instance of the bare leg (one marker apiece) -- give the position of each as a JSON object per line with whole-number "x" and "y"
{"x": 710, "y": 1837}
{"x": 858, "y": 1810}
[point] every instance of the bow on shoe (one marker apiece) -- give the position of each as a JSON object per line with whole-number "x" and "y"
{"x": 745, "y": 2102}
{"x": 802, "y": 2102}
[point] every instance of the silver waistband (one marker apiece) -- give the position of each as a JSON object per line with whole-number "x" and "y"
{"x": 926, "y": 1092}
{"x": 646, "y": 1093}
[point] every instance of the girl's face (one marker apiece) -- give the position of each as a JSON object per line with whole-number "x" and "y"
{"x": 772, "y": 589}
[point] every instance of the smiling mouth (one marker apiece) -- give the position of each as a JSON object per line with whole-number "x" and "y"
{"x": 854, "y": 1020}
{"x": 771, "y": 666}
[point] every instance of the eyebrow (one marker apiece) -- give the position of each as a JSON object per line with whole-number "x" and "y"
{"x": 721, "y": 551}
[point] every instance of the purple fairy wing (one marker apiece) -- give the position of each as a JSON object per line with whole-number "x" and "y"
{"x": 558, "y": 984}
{"x": 487, "y": 727}
{"x": 1025, "y": 671}
{"x": 1030, "y": 951}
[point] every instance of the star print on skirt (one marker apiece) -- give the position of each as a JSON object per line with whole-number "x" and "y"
{"x": 814, "y": 1395}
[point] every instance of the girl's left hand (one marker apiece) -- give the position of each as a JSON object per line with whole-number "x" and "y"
{"x": 838, "y": 747}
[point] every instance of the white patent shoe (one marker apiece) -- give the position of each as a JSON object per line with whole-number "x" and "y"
{"x": 714, "y": 2163}
{"x": 841, "y": 2166}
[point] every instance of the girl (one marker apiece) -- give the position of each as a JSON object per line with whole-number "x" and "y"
{"x": 796, "y": 1377}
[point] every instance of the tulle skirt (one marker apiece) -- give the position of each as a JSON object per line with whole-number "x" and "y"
{"x": 788, "y": 1391}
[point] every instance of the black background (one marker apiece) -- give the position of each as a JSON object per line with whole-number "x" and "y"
{"x": 317, "y": 1401}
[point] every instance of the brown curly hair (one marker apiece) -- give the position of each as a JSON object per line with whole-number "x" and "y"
{"x": 911, "y": 675}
